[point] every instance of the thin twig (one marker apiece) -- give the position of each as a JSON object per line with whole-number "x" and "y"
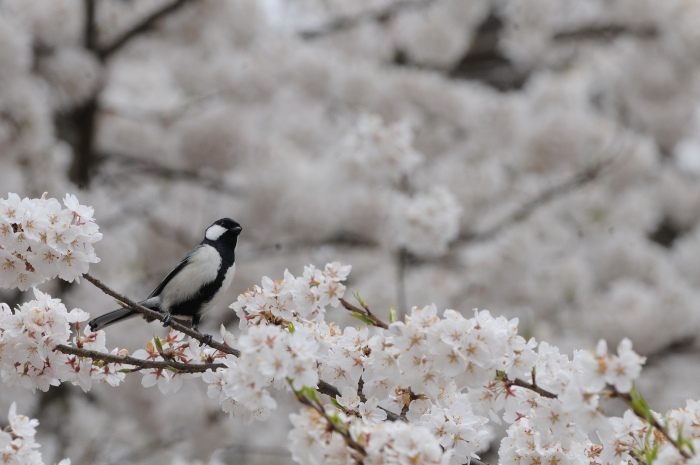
{"x": 614, "y": 393}
{"x": 606, "y": 32}
{"x": 401, "y": 270}
{"x": 332, "y": 425}
{"x": 652, "y": 421}
{"x": 524, "y": 384}
{"x": 138, "y": 362}
{"x": 203, "y": 338}
{"x": 343, "y": 23}
{"x": 530, "y": 206}
{"x": 145, "y": 167}
{"x": 142, "y": 26}
{"x": 364, "y": 312}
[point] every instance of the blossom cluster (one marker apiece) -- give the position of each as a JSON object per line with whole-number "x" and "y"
{"x": 311, "y": 441}
{"x": 445, "y": 374}
{"x": 425, "y": 389}
{"x": 173, "y": 348}
{"x": 17, "y": 443}
{"x": 29, "y": 335}
{"x": 425, "y": 223}
{"x": 292, "y": 299}
{"x": 381, "y": 151}
{"x": 279, "y": 345}
{"x": 271, "y": 356}
{"x": 39, "y": 240}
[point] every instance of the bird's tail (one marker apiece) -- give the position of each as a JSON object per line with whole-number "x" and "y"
{"x": 112, "y": 317}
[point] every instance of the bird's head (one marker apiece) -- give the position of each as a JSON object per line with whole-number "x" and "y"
{"x": 224, "y": 229}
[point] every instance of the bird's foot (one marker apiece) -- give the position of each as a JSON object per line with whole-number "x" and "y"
{"x": 166, "y": 321}
{"x": 208, "y": 338}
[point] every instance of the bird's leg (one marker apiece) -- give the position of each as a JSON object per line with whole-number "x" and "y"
{"x": 195, "y": 325}
{"x": 166, "y": 320}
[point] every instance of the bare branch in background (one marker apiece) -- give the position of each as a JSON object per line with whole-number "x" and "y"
{"x": 606, "y": 32}
{"x": 80, "y": 124}
{"x": 81, "y": 127}
{"x": 343, "y": 23}
{"x": 529, "y": 207}
{"x": 148, "y": 168}
{"x": 140, "y": 27}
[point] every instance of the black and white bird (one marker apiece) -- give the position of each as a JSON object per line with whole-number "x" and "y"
{"x": 194, "y": 286}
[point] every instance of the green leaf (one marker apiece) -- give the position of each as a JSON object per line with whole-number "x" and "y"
{"x": 393, "y": 317}
{"x": 156, "y": 341}
{"x": 363, "y": 318}
{"x": 358, "y": 297}
{"x": 310, "y": 393}
{"x": 291, "y": 328}
{"x": 650, "y": 453}
{"x": 640, "y": 405}
{"x": 337, "y": 421}
{"x": 336, "y": 404}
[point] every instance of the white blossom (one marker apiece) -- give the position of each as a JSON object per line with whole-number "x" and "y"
{"x": 17, "y": 442}
{"x": 426, "y": 223}
{"x": 39, "y": 240}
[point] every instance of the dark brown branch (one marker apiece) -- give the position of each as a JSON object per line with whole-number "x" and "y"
{"x": 137, "y": 362}
{"x": 343, "y": 23}
{"x": 204, "y": 339}
{"x": 139, "y": 28}
{"x": 90, "y": 38}
{"x": 529, "y": 207}
{"x": 524, "y": 384}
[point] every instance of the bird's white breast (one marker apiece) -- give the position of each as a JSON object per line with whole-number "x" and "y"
{"x": 228, "y": 278}
{"x": 202, "y": 268}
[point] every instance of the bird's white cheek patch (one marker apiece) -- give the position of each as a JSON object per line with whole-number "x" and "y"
{"x": 202, "y": 268}
{"x": 214, "y": 232}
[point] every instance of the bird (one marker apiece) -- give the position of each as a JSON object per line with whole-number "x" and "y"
{"x": 194, "y": 286}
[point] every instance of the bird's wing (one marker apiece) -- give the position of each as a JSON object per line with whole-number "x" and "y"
{"x": 172, "y": 274}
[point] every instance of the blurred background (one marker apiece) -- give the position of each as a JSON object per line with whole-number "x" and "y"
{"x": 538, "y": 158}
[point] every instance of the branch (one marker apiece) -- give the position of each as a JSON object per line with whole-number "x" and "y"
{"x": 138, "y": 362}
{"x": 164, "y": 172}
{"x": 364, "y": 312}
{"x": 343, "y": 23}
{"x": 142, "y": 26}
{"x": 614, "y": 393}
{"x": 203, "y": 338}
{"x": 524, "y": 384}
{"x": 315, "y": 405}
{"x": 649, "y": 418}
{"x": 607, "y": 32}
{"x": 90, "y": 38}
{"x": 530, "y": 206}
{"x": 323, "y": 387}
